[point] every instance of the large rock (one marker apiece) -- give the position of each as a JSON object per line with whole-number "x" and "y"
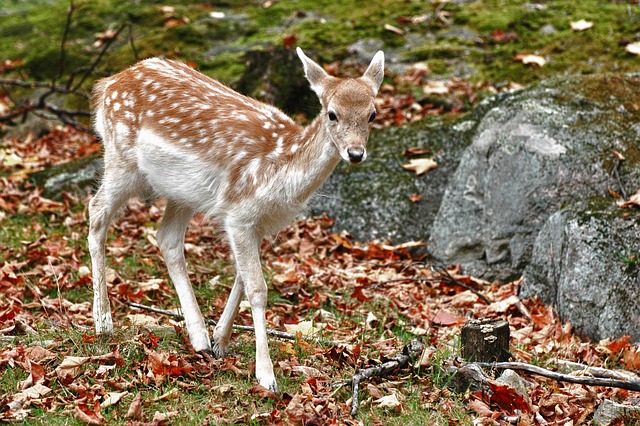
{"x": 533, "y": 152}
{"x": 586, "y": 262}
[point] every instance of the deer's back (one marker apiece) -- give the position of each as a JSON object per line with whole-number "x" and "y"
{"x": 192, "y": 137}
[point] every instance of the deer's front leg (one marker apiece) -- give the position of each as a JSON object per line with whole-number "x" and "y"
{"x": 170, "y": 238}
{"x": 245, "y": 245}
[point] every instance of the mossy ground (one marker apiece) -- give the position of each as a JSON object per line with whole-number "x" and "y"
{"x": 460, "y": 42}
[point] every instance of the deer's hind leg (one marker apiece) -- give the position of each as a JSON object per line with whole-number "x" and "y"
{"x": 114, "y": 192}
{"x": 222, "y": 332}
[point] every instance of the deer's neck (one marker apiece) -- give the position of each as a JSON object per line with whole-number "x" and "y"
{"x": 313, "y": 161}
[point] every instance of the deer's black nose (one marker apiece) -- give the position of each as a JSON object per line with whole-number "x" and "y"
{"x": 356, "y": 154}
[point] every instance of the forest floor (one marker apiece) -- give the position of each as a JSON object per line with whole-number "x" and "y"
{"x": 363, "y": 300}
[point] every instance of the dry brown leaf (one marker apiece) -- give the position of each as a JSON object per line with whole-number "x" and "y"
{"x": 480, "y": 407}
{"x": 135, "y": 409}
{"x": 83, "y": 413}
{"x": 420, "y": 165}
{"x": 390, "y": 401}
{"x": 307, "y": 371}
{"x": 415, "y": 197}
{"x": 436, "y": 87}
{"x": 633, "y": 201}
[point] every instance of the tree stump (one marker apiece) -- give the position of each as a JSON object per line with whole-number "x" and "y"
{"x": 485, "y": 340}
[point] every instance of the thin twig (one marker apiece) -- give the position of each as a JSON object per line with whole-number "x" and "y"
{"x": 401, "y": 360}
{"x": 628, "y": 384}
{"x": 445, "y": 276}
{"x": 63, "y": 43}
{"x": 103, "y": 51}
{"x": 36, "y": 84}
{"x": 275, "y": 333}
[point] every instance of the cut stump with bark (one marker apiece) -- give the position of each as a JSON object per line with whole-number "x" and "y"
{"x": 485, "y": 340}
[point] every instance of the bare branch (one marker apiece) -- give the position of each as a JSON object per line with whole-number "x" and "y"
{"x": 105, "y": 47}
{"x": 628, "y": 383}
{"x": 401, "y": 360}
{"x": 275, "y": 333}
{"x": 63, "y": 43}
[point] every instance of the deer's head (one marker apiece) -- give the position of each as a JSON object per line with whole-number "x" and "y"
{"x": 347, "y": 105}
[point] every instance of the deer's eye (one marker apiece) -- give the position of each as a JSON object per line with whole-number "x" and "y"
{"x": 332, "y": 116}
{"x": 372, "y": 117}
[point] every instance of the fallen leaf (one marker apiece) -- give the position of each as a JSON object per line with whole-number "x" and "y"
{"x": 374, "y": 391}
{"x": 112, "y": 398}
{"x": 306, "y": 328}
{"x": 88, "y": 416}
{"x": 444, "y": 317}
{"x": 480, "y": 407}
{"x": 633, "y": 48}
{"x": 618, "y": 155}
{"x": 420, "y": 165}
{"x": 263, "y": 393}
{"x": 289, "y": 40}
{"x": 307, "y": 371}
{"x": 529, "y": 59}
{"x": 500, "y": 36}
{"x": 172, "y": 394}
{"x": 416, "y": 150}
{"x": 435, "y": 87}
{"x": 581, "y": 25}
{"x": 507, "y": 398}
{"x": 390, "y": 401}
{"x": 34, "y": 392}
{"x": 632, "y": 201}
{"x": 135, "y": 409}
{"x": 70, "y": 367}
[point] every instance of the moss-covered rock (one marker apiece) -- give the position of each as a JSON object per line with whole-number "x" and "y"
{"x": 586, "y": 262}
{"x": 534, "y": 152}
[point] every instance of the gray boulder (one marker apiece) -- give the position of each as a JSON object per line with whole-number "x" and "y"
{"x": 586, "y": 262}
{"x": 535, "y": 151}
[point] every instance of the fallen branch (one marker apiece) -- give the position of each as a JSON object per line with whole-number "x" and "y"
{"x": 398, "y": 361}
{"x": 598, "y": 378}
{"x": 275, "y": 333}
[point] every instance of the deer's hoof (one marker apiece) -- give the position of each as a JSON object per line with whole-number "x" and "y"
{"x": 217, "y": 350}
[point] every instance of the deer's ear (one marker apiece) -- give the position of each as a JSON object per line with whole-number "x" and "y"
{"x": 375, "y": 71}
{"x": 315, "y": 74}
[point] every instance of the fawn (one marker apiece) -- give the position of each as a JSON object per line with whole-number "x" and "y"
{"x": 169, "y": 131}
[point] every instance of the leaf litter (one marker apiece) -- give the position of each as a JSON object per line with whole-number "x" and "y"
{"x": 372, "y": 297}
